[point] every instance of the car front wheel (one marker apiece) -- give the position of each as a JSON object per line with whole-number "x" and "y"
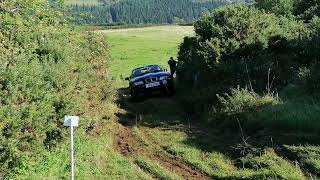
{"x": 170, "y": 90}
{"x": 133, "y": 94}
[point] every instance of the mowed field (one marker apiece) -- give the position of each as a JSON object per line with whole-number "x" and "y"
{"x": 131, "y": 48}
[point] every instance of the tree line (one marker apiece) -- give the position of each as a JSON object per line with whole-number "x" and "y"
{"x": 141, "y": 11}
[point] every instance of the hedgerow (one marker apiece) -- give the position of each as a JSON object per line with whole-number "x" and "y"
{"x": 47, "y": 70}
{"x": 262, "y": 47}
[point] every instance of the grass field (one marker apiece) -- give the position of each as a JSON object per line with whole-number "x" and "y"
{"x": 136, "y": 47}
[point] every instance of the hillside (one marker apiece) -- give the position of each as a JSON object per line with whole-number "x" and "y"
{"x": 142, "y": 11}
{"x": 83, "y": 2}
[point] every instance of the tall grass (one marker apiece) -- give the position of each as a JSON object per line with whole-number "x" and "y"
{"x": 245, "y": 100}
{"x": 267, "y": 111}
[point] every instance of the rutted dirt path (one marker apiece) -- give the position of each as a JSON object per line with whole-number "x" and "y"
{"x": 123, "y": 142}
{"x": 128, "y": 145}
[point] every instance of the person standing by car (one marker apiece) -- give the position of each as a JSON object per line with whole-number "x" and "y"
{"x": 173, "y": 65}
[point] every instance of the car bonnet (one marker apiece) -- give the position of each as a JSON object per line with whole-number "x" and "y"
{"x": 150, "y": 75}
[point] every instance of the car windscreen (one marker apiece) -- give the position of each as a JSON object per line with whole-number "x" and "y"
{"x": 145, "y": 70}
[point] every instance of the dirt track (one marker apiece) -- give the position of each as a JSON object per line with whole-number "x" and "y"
{"x": 128, "y": 145}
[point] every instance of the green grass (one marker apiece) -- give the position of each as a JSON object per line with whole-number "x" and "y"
{"x": 156, "y": 169}
{"x": 243, "y": 100}
{"x": 131, "y": 48}
{"x": 298, "y": 111}
{"x": 309, "y": 156}
{"x": 268, "y": 165}
{"x": 94, "y": 159}
{"x": 292, "y": 110}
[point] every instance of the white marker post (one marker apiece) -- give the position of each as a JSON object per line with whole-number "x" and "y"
{"x": 71, "y": 121}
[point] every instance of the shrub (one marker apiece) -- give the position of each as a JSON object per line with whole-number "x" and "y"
{"x": 241, "y": 106}
{"x": 47, "y": 71}
{"x": 247, "y": 46}
{"x": 237, "y": 44}
{"x": 244, "y": 100}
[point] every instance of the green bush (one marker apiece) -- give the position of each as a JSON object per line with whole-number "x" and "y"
{"x": 255, "y": 112}
{"x": 244, "y": 100}
{"x": 238, "y": 44}
{"x": 47, "y": 71}
{"x": 264, "y": 47}
{"x": 239, "y": 106}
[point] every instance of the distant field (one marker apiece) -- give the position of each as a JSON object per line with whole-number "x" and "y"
{"x": 82, "y": 2}
{"x": 141, "y": 46}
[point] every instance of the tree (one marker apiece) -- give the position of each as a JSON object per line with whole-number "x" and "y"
{"x": 282, "y": 7}
{"x": 141, "y": 11}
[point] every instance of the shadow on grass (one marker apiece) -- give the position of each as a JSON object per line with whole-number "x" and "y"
{"x": 161, "y": 111}
{"x": 151, "y": 110}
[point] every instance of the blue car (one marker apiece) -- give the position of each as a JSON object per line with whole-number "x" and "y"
{"x": 149, "y": 79}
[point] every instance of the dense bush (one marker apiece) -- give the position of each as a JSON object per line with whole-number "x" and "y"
{"x": 247, "y": 46}
{"x": 302, "y": 9}
{"x": 239, "y": 105}
{"x": 239, "y": 45}
{"x": 263, "y": 47}
{"x": 46, "y": 71}
{"x": 244, "y": 100}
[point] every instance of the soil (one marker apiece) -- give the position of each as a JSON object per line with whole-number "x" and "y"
{"x": 128, "y": 145}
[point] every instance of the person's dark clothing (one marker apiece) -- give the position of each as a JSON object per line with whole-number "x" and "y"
{"x": 173, "y": 65}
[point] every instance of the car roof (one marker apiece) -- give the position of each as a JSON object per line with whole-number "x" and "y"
{"x": 145, "y": 67}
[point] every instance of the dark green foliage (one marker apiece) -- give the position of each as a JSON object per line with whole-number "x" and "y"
{"x": 239, "y": 45}
{"x": 46, "y": 72}
{"x": 283, "y": 7}
{"x": 141, "y": 11}
{"x": 158, "y": 11}
{"x": 307, "y": 8}
{"x": 302, "y": 9}
{"x": 313, "y": 81}
{"x": 245, "y": 46}
{"x": 97, "y": 15}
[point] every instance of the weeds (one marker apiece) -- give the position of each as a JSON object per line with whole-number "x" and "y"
{"x": 244, "y": 100}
